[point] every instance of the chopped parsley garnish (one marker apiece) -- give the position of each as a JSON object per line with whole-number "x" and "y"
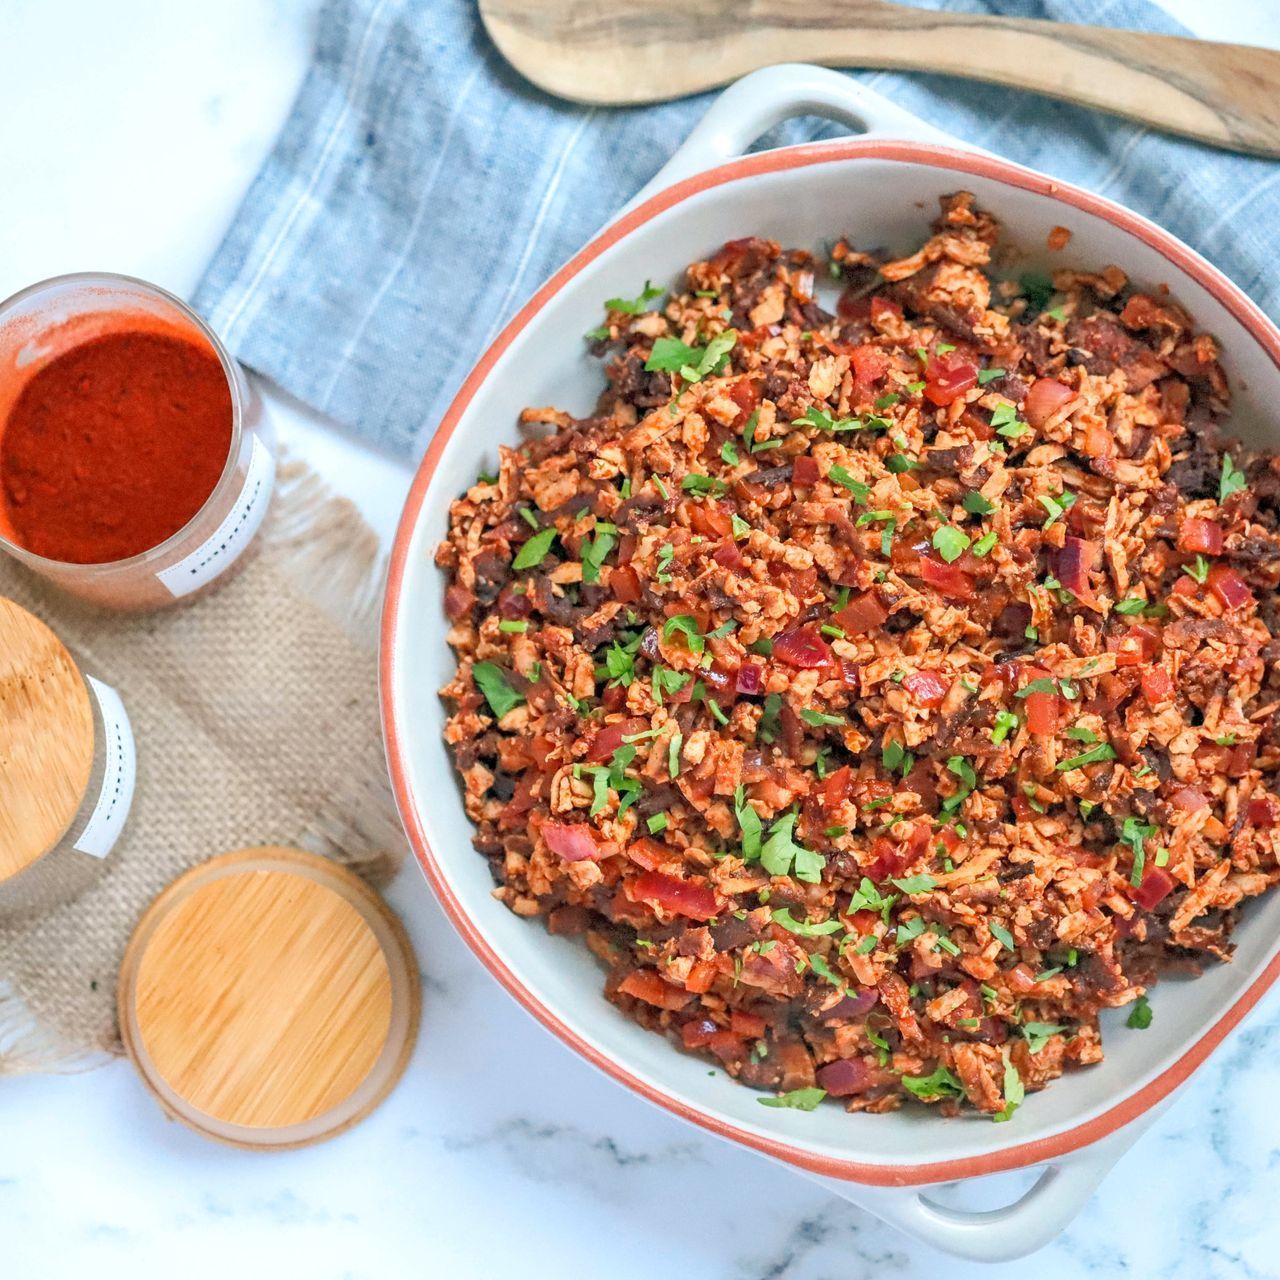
{"x": 964, "y": 771}
{"x": 673, "y": 755}
{"x": 804, "y": 928}
{"x": 866, "y": 897}
{"x": 896, "y": 757}
{"x": 989, "y": 375}
{"x": 897, "y": 463}
{"x": 531, "y": 555}
{"x": 1045, "y": 974}
{"x": 915, "y": 884}
{"x": 1095, "y": 755}
{"x": 1043, "y": 685}
{"x": 749, "y": 435}
{"x": 1082, "y": 734}
{"x": 950, "y": 543}
{"x": 1135, "y": 834}
{"x": 976, "y": 505}
{"x": 634, "y": 306}
{"x": 687, "y": 624}
{"x": 1014, "y": 1090}
{"x": 739, "y": 526}
{"x": 1140, "y": 1016}
{"x": 1056, "y": 507}
{"x": 664, "y": 680}
{"x": 702, "y": 485}
{"x": 940, "y": 1084}
{"x": 861, "y": 492}
{"x": 491, "y": 680}
{"x": 889, "y": 398}
{"x": 748, "y": 824}
{"x": 528, "y": 517}
{"x": 1131, "y": 605}
{"x": 594, "y": 552}
{"x": 866, "y": 946}
{"x": 1007, "y": 423}
{"x": 666, "y": 554}
{"x": 1038, "y": 1034}
{"x": 729, "y": 453}
{"x": 669, "y": 355}
{"x": 1001, "y": 935}
{"x": 813, "y": 416}
{"x": 1232, "y": 480}
{"x": 1225, "y": 740}
{"x": 1199, "y": 570}
{"x": 781, "y": 856}
{"x": 820, "y": 718}
{"x": 797, "y": 1099}
{"x": 768, "y": 727}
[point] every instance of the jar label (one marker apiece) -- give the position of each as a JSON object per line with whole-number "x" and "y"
{"x": 119, "y": 773}
{"x": 218, "y": 552}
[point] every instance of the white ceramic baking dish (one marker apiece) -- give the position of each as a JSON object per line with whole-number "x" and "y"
{"x": 881, "y": 187}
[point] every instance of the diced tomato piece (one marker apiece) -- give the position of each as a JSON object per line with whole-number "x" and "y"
{"x": 1022, "y": 809}
{"x": 1185, "y": 585}
{"x": 728, "y": 1047}
{"x": 1201, "y": 536}
{"x": 645, "y": 985}
{"x": 1229, "y": 587}
{"x": 1263, "y": 811}
{"x": 1044, "y": 399}
{"x": 1134, "y": 646}
{"x": 573, "y": 841}
{"x": 688, "y": 898}
{"x": 1097, "y": 440}
{"x": 1189, "y": 799}
{"x": 928, "y": 688}
{"x": 805, "y": 471}
{"x": 702, "y": 973}
{"x": 1240, "y": 761}
{"x": 614, "y": 697}
{"x": 1156, "y": 885}
{"x": 949, "y": 376}
{"x": 697, "y": 1033}
{"x": 946, "y": 578}
{"x": 727, "y": 555}
{"x": 850, "y": 307}
{"x": 1157, "y": 685}
{"x": 837, "y": 787}
{"x": 846, "y": 1076}
{"x": 1021, "y": 980}
{"x": 624, "y": 582}
{"x": 884, "y": 309}
{"x": 609, "y": 739}
{"x": 750, "y": 1025}
{"x": 647, "y": 853}
{"x": 746, "y": 395}
{"x": 949, "y": 838}
{"x": 1043, "y": 713}
{"x": 886, "y": 860}
{"x": 870, "y": 364}
{"x": 802, "y": 647}
{"x": 708, "y": 519}
{"x": 862, "y": 614}
{"x": 802, "y": 582}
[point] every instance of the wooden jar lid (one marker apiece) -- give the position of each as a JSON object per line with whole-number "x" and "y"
{"x": 269, "y": 998}
{"x": 46, "y": 739}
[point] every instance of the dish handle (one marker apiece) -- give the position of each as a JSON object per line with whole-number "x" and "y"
{"x": 753, "y": 105}
{"x": 997, "y": 1235}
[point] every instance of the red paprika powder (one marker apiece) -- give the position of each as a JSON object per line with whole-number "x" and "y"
{"x": 113, "y": 446}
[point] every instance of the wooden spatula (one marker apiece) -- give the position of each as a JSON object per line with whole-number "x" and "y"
{"x": 616, "y": 53}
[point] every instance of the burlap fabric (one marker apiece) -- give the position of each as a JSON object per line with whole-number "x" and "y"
{"x": 256, "y": 717}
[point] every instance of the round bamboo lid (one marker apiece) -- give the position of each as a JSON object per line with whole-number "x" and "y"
{"x": 269, "y": 998}
{"x": 46, "y": 739}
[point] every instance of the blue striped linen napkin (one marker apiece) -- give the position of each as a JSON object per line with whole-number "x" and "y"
{"x": 421, "y": 191}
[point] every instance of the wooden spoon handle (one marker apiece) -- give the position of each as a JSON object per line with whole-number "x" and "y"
{"x": 1227, "y": 95}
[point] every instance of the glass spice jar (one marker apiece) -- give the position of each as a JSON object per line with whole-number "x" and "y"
{"x": 136, "y": 460}
{"x": 67, "y": 768}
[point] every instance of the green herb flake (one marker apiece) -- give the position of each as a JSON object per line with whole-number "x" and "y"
{"x": 1038, "y": 1034}
{"x": 1232, "y": 480}
{"x": 1131, "y": 605}
{"x": 512, "y": 625}
{"x": 861, "y": 492}
{"x": 989, "y": 375}
{"x": 1014, "y": 1090}
{"x": 673, "y": 755}
{"x": 820, "y": 718}
{"x": 1095, "y": 755}
{"x": 950, "y": 543}
{"x": 976, "y": 505}
{"x": 1140, "y": 1015}
{"x": 1001, "y": 935}
{"x": 1198, "y": 569}
{"x": 1006, "y": 722}
{"x": 491, "y": 680}
{"x": 729, "y": 453}
{"x": 796, "y": 1100}
{"x": 531, "y": 555}
{"x": 803, "y": 928}
{"x": 940, "y": 1084}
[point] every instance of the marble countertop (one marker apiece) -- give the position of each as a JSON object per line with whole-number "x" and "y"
{"x": 132, "y": 129}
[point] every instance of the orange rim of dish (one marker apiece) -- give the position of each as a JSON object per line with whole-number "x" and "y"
{"x": 949, "y": 159}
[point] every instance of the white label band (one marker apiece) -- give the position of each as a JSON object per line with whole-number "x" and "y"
{"x": 119, "y": 773}
{"x": 233, "y": 535}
